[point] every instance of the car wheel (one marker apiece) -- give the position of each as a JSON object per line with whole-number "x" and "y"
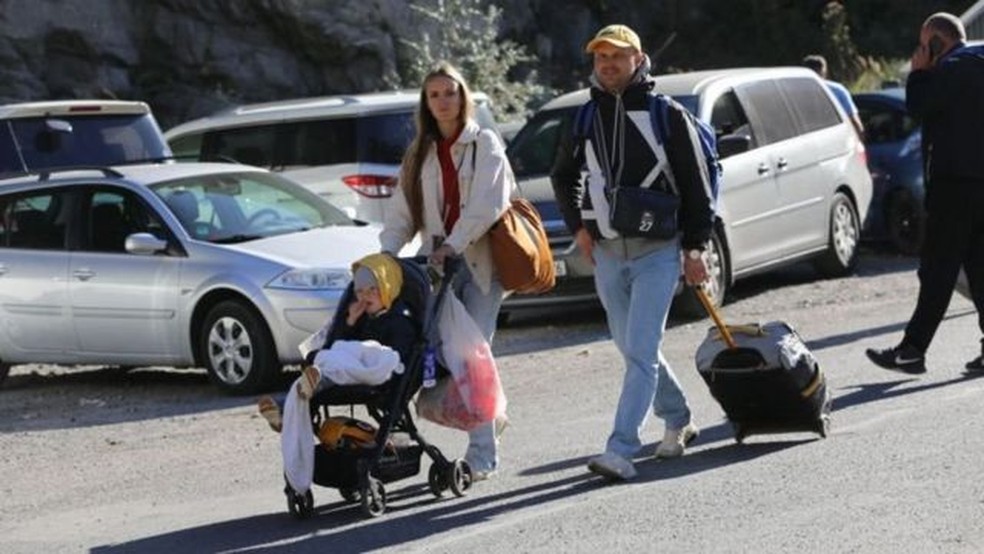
{"x": 238, "y": 349}
{"x": 905, "y": 223}
{"x": 686, "y": 304}
{"x": 841, "y": 255}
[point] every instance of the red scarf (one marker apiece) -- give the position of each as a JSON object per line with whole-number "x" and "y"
{"x": 449, "y": 180}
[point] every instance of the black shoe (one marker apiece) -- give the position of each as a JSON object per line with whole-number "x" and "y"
{"x": 977, "y": 364}
{"x": 904, "y": 358}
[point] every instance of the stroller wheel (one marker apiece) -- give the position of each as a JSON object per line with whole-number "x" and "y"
{"x": 823, "y": 426}
{"x": 350, "y": 494}
{"x": 461, "y": 477}
{"x": 373, "y": 498}
{"x": 436, "y": 480}
{"x": 301, "y": 506}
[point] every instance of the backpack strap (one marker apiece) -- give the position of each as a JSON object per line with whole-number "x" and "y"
{"x": 659, "y": 112}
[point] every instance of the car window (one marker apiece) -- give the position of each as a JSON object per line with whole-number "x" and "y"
{"x": 34, "y": 221}
{"x": 68, "y": 141}
{"x": 533, "y": 150}
{"x": 10, "y": 160}
{"x": 776, "y": 122}
{"x": 188, "y": 147}
{"x": 114, "y": 214}
{"x": 884, "y": 124}
{"x": 237, "y": 207}
{"x": 379, "y": 138}
{"x": 813, "y": 107}
{"x": 728, "y": 117}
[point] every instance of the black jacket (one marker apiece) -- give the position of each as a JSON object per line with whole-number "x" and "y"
{"x": 638, "y": 159}
{"x": 393, "y": 328}
{"x": 949, "y": 99}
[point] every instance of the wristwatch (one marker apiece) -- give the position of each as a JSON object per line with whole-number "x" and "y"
{"x": 694, "y": 254}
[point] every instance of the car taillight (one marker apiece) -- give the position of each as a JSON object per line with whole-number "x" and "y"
{"x": 862, "y": 152}
{"x": 371, "y": 186}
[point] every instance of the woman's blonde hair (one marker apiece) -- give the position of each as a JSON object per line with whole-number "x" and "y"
{"x": 428, "y": 134}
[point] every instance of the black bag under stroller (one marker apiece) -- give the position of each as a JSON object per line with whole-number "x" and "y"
{"x": 359, "y": 473}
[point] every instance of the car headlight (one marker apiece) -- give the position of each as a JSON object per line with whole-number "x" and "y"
{"x": 312, "y": 279}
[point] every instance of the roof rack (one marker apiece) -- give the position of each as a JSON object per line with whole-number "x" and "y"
{"x": 45, "y": 174}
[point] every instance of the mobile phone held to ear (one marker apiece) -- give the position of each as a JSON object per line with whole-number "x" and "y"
{"x": 935, "y": 48}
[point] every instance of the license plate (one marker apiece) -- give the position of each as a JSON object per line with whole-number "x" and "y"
{"x": 560, "y": 268}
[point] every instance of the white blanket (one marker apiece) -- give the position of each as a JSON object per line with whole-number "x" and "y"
{"x": 297, "y": 441}
{"x": 345, "y": 363}
{"x": 350, "y": 362}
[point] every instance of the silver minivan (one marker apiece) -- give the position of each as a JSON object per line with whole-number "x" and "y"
{"x": 795, "y": 182}
{"x": 345, "y": 148}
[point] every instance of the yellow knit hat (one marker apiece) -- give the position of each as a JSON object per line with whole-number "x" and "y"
{"x": 388, "y": 273}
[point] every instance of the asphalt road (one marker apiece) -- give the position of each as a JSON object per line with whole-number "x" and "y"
{"x": 156, "y": 461}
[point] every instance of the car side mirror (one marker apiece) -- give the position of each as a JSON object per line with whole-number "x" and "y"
{"x": 729, "y": 145}
{"x": 144, "y": 244}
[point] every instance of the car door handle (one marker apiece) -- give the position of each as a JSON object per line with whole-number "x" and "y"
{"x": 763, "y": 168}
{"x": 83, "y": 274}
{"x": 782, "y": 163}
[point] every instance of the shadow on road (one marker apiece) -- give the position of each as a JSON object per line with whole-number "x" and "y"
{"x": 846, "y": 338}
{"x": 82, "y": 397}
{"x": 414, "y": 514}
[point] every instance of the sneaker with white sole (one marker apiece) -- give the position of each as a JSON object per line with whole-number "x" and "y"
{"x": 612, "y": 466}
{"x": 904, "y": 358}
{"x": 675, "y": 441}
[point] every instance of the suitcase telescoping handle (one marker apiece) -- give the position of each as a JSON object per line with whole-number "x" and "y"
{"x": 712, "y": 311}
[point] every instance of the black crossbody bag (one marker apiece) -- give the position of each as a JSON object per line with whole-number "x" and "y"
{"x": 644, "y": 212}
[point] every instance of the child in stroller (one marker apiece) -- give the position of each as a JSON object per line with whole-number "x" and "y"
{"x": 388, "y": 309}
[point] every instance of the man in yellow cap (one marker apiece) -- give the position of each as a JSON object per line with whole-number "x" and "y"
{"x": 636, "y": 273}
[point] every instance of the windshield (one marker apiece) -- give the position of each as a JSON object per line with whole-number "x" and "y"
{"x": 34, "y": 143}
{"x": 238, "y": 207}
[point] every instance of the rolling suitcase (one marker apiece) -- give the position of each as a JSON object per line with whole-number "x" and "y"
{"x": 763, "y": 376}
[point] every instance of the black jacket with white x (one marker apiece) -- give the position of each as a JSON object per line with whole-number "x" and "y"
{"x": 622, "y": 148}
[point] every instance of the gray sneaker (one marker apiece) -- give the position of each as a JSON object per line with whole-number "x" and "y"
{"x": 675, "y": 441}
{"x": 612, "y": 466}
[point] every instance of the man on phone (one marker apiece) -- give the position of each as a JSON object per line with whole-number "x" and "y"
{"x": 946, "y": 92}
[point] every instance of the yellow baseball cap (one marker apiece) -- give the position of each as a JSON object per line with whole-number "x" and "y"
{"x": 618, "y": 35}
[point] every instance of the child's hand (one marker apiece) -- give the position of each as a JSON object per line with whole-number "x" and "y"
{"x": 355, "y": 311}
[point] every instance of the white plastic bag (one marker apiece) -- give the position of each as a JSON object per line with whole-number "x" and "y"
{"x": 473, "y": 395}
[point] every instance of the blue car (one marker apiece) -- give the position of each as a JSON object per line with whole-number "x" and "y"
{"x": 893, "y": 140}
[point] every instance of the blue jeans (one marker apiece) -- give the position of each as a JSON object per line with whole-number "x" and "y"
{"x": 482, "y": 453}
{"x": 636, "y": 294}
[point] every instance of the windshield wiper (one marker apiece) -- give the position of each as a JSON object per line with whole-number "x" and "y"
{"x": 236, "y": 239}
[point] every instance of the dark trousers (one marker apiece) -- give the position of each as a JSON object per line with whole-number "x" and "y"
{"x": 954, "y": 239}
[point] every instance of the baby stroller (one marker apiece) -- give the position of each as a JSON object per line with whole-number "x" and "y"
{"x": 360, "y": 473}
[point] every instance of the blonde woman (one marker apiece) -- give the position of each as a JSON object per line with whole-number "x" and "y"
{"x": 455, "y": 182}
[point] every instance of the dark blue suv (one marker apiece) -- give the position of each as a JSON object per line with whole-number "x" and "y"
{"x": 893, "y": 140}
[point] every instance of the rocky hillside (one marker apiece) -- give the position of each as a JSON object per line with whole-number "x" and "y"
{"x": 191, "y": 57}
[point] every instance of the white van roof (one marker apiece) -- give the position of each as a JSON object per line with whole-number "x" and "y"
{"x": 692, "y": 83}
{"x": 300, "y": 109}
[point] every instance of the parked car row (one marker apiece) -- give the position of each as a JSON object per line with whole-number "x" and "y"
{"x": 217, "y": 265}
